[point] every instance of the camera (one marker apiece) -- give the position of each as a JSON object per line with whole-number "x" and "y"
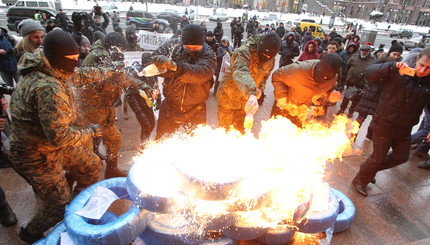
{"x": 97, "y": 10}
{"x": 4, "y": 89}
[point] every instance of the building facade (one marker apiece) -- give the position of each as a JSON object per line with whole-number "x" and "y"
{"x": 414, "y": 12}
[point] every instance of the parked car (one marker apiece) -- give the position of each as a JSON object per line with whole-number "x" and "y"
{"x": 15, "y": 14}
{"x": 413, "y": 42}
{"x": 218, "y": 16}
{"x": 139, "y": 19}
{"x": 108, "y": 9}
{"x": 265, "y": 21}
{"x": 402, "y": 33}
{"x": 169, "y": 16}
{"x": 55, "y": 4}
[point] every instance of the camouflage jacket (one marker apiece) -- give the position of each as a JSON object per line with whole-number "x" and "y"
{"x": 42, "y": 108}
{"x": 95, "y": 101}
{"x": 244, "y": 75}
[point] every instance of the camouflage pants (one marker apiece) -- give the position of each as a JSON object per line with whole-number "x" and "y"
{"x": 45, "y": 172}
{"x": 231, "y": 118}
{"x": 112, "y": 140}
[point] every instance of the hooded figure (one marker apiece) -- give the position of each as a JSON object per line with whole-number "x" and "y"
{"x": 289, "y": 50}
{"x": 224, "y": 48}
{"x": 44, "y": 140}
{"x": 310, "y": 51}
{"x": 301, "y": 85}
{"x": 218, "y": 32}
{"x": 8, "y": 68}
{"x": 355, "y": 78}
{"x": 190, "y": 64}
{"x": 245, "y": 79}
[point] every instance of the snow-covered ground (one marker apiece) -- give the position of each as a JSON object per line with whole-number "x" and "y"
{"x": 203, "y": 13}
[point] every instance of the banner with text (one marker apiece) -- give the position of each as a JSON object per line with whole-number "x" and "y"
{"x": 152, "y": 40}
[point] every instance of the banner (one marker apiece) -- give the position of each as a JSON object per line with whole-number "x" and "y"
{"x": 224, "y": 65}
{"x": 152, "y": 40}
{"x": 132, "y": 56}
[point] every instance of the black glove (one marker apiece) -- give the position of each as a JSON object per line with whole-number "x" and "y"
{"x": 96, "y": 130}
{"x": 162, "y": 62}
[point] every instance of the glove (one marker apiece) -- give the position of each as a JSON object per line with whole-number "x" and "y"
{"x": 96, "y": 130}
{"x": 162, "y": 62}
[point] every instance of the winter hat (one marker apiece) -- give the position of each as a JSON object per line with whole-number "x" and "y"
{"x": 338, "y": 40}
{"x": 209, "y": 34}
{"x": 98, "y": 35}
{"x": 57, "y": 45}
{"x": 28, "y": 26}
{"x": 193, "y": 35}
{"x": 85, "y": 40}
{"x": 268, "y": 46}
{"x": 328, "y": 67}
{"x": 114, "y": 39}
{"x": 367, "y": 47}
{"x": 146, "y": 58}
{"x": 225, "y": 38}
{"x": 396, "y": 47}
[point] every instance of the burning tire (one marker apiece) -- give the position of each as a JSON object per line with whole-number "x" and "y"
{"x": 316, "y": 222}
{"x": 277, "y": 236}
{"x": 165, "y": 229}
{"x": 220, "y": 241}
{"x": 346, "y": 211}
{"x": 121, "y": 231}
{"x": 243, "y": 229}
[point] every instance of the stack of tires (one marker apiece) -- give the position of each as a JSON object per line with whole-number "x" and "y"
{"x": 154, "y": 225}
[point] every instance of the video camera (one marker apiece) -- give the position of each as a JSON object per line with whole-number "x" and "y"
{"x": 97, "y": 10}
{"x": 4, "y": 89}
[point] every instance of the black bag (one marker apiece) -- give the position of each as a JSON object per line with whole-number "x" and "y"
{"x": 351, "y": 92}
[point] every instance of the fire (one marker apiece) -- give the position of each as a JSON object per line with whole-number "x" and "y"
{"x": 264, "y": 181}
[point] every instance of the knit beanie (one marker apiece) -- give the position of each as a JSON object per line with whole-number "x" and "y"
{"x": 85, "y": 40}
{"x": 209, "y": 34}
{"x": 193, "y": 35}
{"x": 28, "y": 26}
{"x": 114, "y": 39}
{"x": 268, "y": 46}
{"x": 396, "y": 47}
{"x": 328, "y": 67}
{"x": 56, "y": 46}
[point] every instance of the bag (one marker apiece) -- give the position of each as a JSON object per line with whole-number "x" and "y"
{"x": 351, "y": 92}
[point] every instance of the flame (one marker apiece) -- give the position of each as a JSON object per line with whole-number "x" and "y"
{"x": 273, "y": 178}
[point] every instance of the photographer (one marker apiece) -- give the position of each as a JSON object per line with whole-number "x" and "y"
{"x": 98, "y": 25}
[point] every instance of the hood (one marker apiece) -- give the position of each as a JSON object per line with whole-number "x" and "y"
{"x": 411, "y": 59}
{"x": 311, "y": 42}
{"x": 351, "y": 44}
{"x": 290, "y": 34}
{"x": 356, "y": 36}
{"x": 31, "y": 62}
{"x": 3, "y": 32}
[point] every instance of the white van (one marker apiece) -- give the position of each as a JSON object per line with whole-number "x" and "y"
{"x": 53, "y": 4}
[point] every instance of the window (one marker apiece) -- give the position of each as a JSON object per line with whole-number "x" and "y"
{"x": 20, "y": 4}
{"x": 312, "y": 28}
{"x": 43, "y": 4}
{"x": 319, "y": 29}
{"x": 31, "y": 4}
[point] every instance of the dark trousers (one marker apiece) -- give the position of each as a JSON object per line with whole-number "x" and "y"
{"x": 354, "y": 102}
{"x": 170, "y": 120}
{"x": 400, "y": 143}
{"x": 237, "y": 42}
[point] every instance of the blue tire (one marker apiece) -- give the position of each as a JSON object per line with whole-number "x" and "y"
{"x": 316, "y": 222}
{"x": 54, "y": 236}
{"x": 124, "y": 230}
{"x": 244, "y": 233}
{"x": 278, "y": 236}
{"x": 346, "y": 212}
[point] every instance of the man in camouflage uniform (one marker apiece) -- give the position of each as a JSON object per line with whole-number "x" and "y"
{"x": 43, "y": 142}
{"x": 245, "y": 79}
{"x": 95, "y": 101}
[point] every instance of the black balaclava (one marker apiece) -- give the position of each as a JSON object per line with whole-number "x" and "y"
{"x": 328, "y": 67}
{"x": 114, "y": 39}
{"x": 56, "y": 46}
{"x": 193, "y": 35}
{"x": 268, "y": 47}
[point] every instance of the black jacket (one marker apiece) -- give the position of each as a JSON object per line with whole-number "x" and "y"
{"x": 288, "y": 51}
{"x": 402, "y": 99}
{"x": 187, "y": 87}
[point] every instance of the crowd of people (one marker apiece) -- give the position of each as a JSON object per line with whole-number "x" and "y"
{"x": 68, "y": 82}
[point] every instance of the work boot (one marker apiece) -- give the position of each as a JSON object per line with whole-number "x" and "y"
{"x": 424, "y": 165}
{"x": 360, "y": 187}
{"x": 7, "y": 216}
{"x": 423, "y": 155}
{"x": 25, "y": 236}
{"x": 112, "y": 170}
